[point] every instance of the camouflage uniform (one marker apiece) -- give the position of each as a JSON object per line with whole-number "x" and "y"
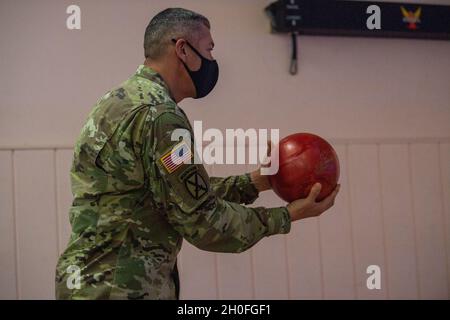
{"x": 132, "y": 206}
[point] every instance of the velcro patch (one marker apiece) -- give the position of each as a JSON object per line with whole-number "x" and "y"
{"x": 175, "y": 158}
{"x": 194, "y": 182}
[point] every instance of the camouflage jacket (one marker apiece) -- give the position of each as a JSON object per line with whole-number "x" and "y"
{"x": 134, "y": 201}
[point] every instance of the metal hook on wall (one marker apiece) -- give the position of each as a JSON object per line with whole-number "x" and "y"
{"x": 293, "y": 68}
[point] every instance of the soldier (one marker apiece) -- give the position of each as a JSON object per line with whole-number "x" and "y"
{"x": 134, "y": 201}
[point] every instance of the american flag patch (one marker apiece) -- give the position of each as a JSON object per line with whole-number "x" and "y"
{"x": 175, "y": 158}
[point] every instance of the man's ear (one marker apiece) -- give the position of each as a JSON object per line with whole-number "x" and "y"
{"x": 180, "y": 47}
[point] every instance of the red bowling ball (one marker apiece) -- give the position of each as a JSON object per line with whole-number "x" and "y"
{"x": 305, "y": 159}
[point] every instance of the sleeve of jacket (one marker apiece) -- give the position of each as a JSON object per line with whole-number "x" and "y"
{"x": 239, "y": 188}
{"x": 190, "y": 204}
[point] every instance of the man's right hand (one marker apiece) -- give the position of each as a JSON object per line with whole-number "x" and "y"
{"x": 308, "y": 207}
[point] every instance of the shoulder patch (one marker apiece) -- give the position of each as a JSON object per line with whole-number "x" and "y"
{"x": 176, "y": 157}
{"x": 194, "y": 183}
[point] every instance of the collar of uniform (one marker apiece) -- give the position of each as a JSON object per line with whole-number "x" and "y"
{"x": 148, "y": 73}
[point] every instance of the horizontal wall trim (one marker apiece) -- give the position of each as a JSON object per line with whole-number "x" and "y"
{"x": 341, "y": 141}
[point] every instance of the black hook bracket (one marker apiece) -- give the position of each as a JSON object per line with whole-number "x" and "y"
{"x": 294, "y": 61}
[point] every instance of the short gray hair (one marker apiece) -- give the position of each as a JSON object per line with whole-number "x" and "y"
{"x": 172, "y": 23}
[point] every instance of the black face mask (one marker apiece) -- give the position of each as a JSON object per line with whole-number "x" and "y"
{"x": 206, "y": 77}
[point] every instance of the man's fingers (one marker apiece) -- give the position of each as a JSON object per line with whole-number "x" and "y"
{"x": 315, "y": 190}
{"x": 335, "y": 192}
{"x": 328, "y": 202}
{"x": 338, "y": 187}
{"x": 267, "y": 161}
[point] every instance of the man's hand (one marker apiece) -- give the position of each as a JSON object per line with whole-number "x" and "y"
{"x": 308, "y": 207}
{"x": 260, "y": 181}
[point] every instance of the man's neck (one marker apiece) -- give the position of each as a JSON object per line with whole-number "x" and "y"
{"x": 169, "y": 78}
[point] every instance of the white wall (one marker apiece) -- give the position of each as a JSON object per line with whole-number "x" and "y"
{"x": 383, "y": 103}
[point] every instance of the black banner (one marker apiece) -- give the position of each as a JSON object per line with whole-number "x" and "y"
{"x": 360, "y": 18}
{"x": 224, "y": 309}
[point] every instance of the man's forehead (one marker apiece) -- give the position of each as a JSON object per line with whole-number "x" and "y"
{"x": 204, "y": 37}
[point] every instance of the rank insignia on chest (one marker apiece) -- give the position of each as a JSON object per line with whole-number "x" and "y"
{"x": 179, "y": 154}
